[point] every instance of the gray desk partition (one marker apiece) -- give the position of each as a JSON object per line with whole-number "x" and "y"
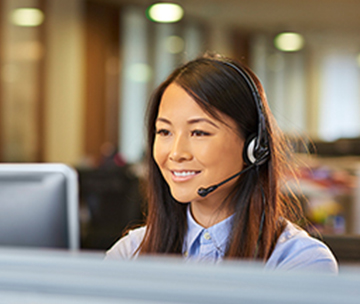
{"x": 52, "y": 277}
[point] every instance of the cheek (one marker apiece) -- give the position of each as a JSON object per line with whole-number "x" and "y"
{"x": 235, "y": 159}
{"x": 155, "y": 152}
{"x": 158, "y": 152}
{"x": 210, "y": 155}
{"x": 227, "y": 152}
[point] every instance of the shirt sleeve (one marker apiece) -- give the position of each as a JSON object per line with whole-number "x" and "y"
{"x": 296, "y": 250}
{"x": 125, "y": 248}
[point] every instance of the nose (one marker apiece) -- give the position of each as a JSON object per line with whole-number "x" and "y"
{"x": 180, "y": 150}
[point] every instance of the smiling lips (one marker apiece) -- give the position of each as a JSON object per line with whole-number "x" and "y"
{"x": 183, "y": 175}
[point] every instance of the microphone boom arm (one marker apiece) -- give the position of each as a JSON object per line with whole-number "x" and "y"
{"x": 205, "y": 191}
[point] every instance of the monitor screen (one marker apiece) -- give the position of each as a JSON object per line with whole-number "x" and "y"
{"x": 39, "y": 206}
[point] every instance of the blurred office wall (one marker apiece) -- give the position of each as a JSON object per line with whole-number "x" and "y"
{"x": 21, "y": 55}
{"x": 41, "y": 81}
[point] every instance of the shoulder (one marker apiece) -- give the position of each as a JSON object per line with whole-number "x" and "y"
{"x": 295, "y": 249}
{"x": 127, "y": 245}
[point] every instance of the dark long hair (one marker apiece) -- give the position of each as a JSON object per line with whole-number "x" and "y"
{"x": 217, "y": 87}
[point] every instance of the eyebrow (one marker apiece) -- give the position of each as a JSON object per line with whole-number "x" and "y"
{"x": 196, "y": 120}
{"x": 163, "y": 120}
{"x": 191, "y": 121}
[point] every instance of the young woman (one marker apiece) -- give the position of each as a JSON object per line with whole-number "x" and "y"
{"x": 216, "y": 165}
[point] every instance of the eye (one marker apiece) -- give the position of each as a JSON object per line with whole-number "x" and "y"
{"x": 163, "y": 132}
{"x": 199, "y": 133}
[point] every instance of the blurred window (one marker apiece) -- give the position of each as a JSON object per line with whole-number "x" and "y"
{"x": 339, "y": 97}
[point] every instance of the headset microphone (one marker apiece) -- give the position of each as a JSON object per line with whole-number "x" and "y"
{"x": 205, "y": 191}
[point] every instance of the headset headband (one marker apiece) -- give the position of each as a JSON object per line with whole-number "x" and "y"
{"x": 260, "y": 148}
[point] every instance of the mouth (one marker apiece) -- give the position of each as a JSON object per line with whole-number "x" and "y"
{"x": 184, "y": 175}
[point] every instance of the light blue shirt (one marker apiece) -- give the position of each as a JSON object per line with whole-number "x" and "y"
{"x": 206, "y": 244}
{"x": 294, "y": 250}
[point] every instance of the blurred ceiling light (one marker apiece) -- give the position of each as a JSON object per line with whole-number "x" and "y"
{"x": 27, "y": 17}
{"x": 174, "y": 44}
{"x": 165, "y": 12}
{"x": 289, "y": 42}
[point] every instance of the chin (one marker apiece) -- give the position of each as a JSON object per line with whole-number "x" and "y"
{"x": 182, "y": 199}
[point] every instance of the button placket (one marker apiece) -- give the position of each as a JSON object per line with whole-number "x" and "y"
{"x": 207, "y": 236}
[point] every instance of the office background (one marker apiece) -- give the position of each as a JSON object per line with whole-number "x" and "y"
{"x": 82, "y": 76}
{"x": 76, "y": 78}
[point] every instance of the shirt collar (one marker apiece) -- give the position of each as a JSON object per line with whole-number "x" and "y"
{"x": 219, "y": 232}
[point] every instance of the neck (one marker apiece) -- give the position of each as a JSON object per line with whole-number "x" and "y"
{"x": 208, "y": 216}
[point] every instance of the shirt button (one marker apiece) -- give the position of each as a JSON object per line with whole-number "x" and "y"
{"x": 207, "y": 236}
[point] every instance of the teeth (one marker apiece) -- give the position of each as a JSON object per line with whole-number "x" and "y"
{"x": 184, "y": 173}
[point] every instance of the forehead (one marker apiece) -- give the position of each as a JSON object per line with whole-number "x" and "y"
{"x": 175, "y": 101}
{"x": 177, "y": 104}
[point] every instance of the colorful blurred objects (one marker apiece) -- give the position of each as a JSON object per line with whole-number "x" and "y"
{"x": 328, "y": 187}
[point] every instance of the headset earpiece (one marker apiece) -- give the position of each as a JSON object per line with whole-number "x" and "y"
{"x": 248, "y": 151}
{"x": 254, "y": 152}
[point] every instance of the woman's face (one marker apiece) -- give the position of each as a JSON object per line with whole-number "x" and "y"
{"x": 193, "y": 149}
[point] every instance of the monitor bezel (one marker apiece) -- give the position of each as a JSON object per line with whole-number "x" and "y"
{"x": 72, "y": 193}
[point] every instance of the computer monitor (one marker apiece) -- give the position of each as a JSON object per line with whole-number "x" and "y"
{"x": 39, "y": 206}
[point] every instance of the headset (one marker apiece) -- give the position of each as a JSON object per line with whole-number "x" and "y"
{"x": 256, "y": 148}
